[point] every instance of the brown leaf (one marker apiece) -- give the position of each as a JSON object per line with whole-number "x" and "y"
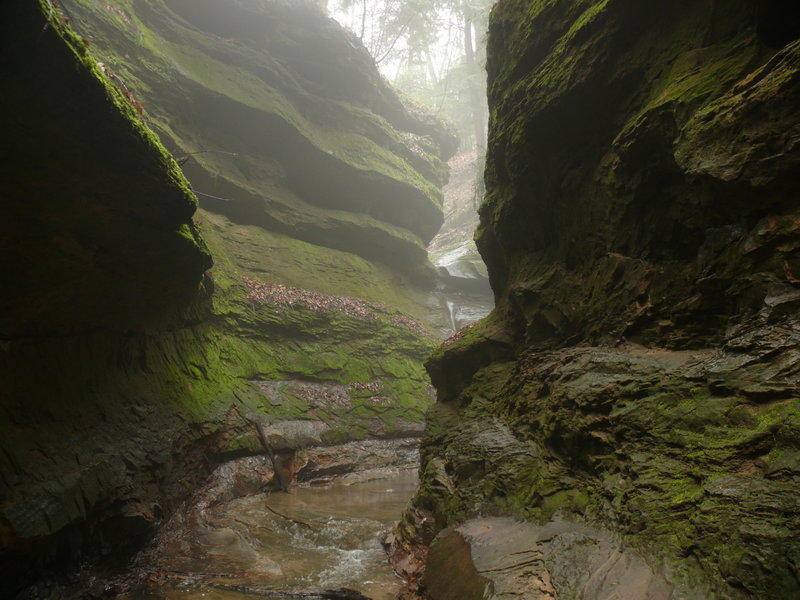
{"x": 788, "y": 272}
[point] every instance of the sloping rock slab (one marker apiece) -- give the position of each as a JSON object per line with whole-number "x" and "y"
{"x": 499, "y": 558}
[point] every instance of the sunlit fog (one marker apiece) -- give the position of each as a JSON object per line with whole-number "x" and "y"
{"x": 431, "y": 50}
{"x": 400, "y": 299}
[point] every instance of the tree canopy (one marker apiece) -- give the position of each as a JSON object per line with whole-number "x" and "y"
{"x": 431, "y": 50}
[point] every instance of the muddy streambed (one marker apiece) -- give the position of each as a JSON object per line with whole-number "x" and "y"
{"x": 250, "y": 543}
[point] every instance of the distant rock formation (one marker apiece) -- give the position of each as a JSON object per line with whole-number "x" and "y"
{"x": 463, "y": 283}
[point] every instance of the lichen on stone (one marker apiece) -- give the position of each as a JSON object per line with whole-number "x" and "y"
{"x": 639, "y": 229}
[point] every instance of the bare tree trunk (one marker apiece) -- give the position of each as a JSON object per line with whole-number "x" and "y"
{"x": 431, "y": 68}
{"x": 473, "y": 69}
{"x": 363, "y": 20}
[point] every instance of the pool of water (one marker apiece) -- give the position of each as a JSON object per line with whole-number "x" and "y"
{"x": 335, "y": 543}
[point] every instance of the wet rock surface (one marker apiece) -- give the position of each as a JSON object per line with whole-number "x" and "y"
{"x": 669, "y": 147}
{"x": 503, "y": 558}
{"x": 239, "y": 535}
{"x": 126, "y": 364}
{"x": 231, "y": 536}
{"x": 462, "y": 291}
{"x": 639, "y": 372}
{"x": 683, "y": 451}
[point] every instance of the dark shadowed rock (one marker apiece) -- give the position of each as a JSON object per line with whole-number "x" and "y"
{"x": 639, "y": 372}
{"x": 128, "y": 369}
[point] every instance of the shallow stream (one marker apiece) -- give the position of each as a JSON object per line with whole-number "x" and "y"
{"x": 242, "y": 543}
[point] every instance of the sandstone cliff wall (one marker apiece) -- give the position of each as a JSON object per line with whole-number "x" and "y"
{"x": 640, "y": 227}
{"x": 128, "y": 363}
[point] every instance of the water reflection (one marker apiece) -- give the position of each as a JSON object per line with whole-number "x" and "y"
{"x": 335, "y": 544}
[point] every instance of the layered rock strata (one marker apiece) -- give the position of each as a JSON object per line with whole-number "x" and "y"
{"x": 462, "y": 282}
{"x": 503, "y": 558}
{"x": 641, "y": 232}
{"x": 130, "y": 367}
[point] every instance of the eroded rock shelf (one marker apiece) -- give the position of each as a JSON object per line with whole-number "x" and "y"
{"x": 131, "y": 365}
{"x": 639, "y": 373}
{"x": 219, "y": 215}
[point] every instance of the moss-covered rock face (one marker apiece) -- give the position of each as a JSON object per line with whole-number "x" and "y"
{"x": 641, "y": 233}
{"x": 283, "y": 121}
{"x": 89, "y": 191}
{"x": 128, "y": 363}
{"x": 634, "y": 153}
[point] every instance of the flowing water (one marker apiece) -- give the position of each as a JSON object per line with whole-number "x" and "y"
{"x": 335, "y": 543}
{"x": 451, "y": 308}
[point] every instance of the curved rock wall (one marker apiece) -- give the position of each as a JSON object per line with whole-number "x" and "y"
{"x": 641, "y": 233}
{"x": 282, "y": 119}
{"x": 123, "y": 206}
{"x": 129, "y": 366}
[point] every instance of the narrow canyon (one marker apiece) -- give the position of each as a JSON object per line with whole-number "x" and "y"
{"x": 273, "y": 323}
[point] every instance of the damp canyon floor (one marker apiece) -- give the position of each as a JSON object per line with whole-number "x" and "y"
{"x": 242, "y": 543}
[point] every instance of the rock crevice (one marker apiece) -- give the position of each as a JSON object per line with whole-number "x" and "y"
{"x": 640, "y": 232}
{"x": 128, "y": 363}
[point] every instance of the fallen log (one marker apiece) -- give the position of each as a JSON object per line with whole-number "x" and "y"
{"x": 284, "y": 487}
{"x": 262, "y": 436}
{"x": 340, "y": 594}
{"x": 288, "y": 518}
